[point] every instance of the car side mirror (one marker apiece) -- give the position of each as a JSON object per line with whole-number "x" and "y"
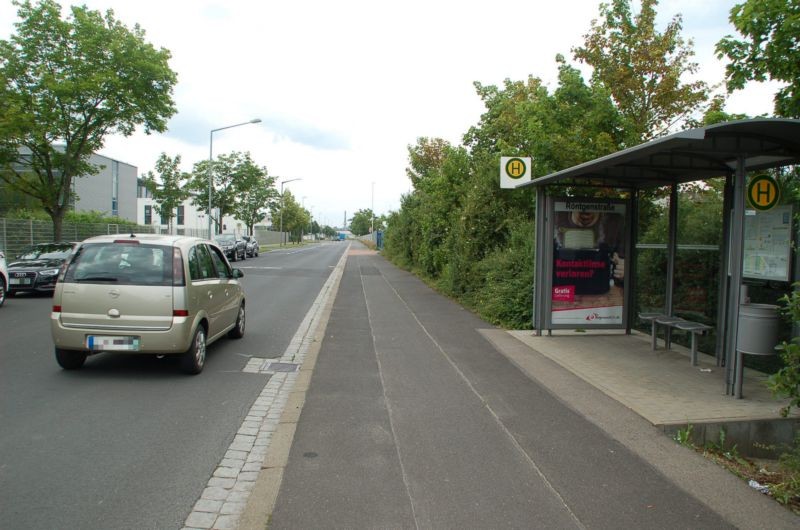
{"x": 237, "y": 273}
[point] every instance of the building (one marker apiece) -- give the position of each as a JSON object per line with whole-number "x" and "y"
{"x": 112, "y": 190}
{"x": 187, "y": 219}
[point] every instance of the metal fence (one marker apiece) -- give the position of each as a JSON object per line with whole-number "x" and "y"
{"x": 16, "y": 234}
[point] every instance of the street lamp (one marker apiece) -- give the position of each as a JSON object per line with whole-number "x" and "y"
{"x": 210, "y": 163}
{"x": 282, "y": 183}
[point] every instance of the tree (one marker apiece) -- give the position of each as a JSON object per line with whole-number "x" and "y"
{"x": 642, "y": 68}
{"x": 64, "y": 85}
{"x": 232, "y": 175}
{"x": 256, "y": 196}
{"x": 295, "y": 217}
{"x": 169, "y": 191}
{"x": 361, "y": 223}
{"x": 770, "y": 49}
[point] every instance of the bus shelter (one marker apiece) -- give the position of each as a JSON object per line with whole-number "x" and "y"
{"x": 586, "y": 246}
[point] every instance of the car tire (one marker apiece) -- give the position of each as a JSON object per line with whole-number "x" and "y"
{"x": 2, "y": 291}
{"x": 234, "y": 256}
{"x": 70, "y": 359}
{"x": 238, "y": 329}
{"x": 194, "y": 359}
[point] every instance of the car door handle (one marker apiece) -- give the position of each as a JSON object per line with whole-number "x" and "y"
{"x": 210, "y": 294}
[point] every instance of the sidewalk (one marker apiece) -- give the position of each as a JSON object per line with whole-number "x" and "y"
{"x": 420, "y": 415}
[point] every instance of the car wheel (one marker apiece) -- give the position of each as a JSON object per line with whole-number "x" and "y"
{"x": 2, "y": 291}
{"x": 238, "y": 330}
{"x": 244, "y": 255}
{"x": 235, "y": 254}
{"x": 193, "y": 359}
{"x": 70, "y": 359}
{"x": 255, "y": 253}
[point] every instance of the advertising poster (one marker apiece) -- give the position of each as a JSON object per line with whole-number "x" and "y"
{"x": 588, "y": 263}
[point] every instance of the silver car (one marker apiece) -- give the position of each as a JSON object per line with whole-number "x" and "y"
{"x": 146, "y": 294}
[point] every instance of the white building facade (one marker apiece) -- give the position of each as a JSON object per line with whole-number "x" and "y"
{"x": 187, "y": 218}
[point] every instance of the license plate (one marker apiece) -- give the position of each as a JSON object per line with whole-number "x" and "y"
{"x": 19, "y": 281}
{"x": 112, "y": 343}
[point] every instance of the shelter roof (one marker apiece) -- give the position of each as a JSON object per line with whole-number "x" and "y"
{"x": 693, "y": 154}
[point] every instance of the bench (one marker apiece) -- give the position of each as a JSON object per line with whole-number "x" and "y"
{"x": 670, "y": 322}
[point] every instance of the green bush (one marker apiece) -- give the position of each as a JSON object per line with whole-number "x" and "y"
{"x": 504, "y": 296}
{"x": 786, "y": 382}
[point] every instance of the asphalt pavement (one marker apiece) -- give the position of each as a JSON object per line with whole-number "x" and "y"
{"x": 413, "y": 419}
{"x": 129, "y": 441}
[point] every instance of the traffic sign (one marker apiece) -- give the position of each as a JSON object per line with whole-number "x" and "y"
{"x": 763, "y": 192}
{"x": 514, "y": 170}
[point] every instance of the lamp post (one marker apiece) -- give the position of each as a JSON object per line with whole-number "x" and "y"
{"x": 210, "y": 163}
{"x": 282, "y": 183}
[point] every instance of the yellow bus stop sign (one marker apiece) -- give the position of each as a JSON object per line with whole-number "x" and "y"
{"x": 514, "y": 170}
{"x": 763, "y": 192}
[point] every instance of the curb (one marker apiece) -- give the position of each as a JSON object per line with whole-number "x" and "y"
{"x": 258, "y": 511}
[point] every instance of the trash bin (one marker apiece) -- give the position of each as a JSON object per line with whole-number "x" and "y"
{"x": 757, "y": 334}
{"x": 758, "y": 329}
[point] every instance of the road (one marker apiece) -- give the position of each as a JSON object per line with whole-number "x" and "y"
{"x": 131, "y": 442}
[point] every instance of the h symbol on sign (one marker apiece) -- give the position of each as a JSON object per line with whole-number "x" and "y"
{"x": 517, "y": 168}
{"x": 763, "y": 189}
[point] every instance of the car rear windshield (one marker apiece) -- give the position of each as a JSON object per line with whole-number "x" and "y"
{"x": 47, "y": 251}
{"x": 121, "y": 264}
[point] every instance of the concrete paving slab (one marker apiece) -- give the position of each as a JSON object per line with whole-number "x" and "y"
{"x": 660, "y": 385}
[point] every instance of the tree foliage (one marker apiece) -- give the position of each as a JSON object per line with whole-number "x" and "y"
{"x": 475, "y": 240}
{"x": 234, "y": 177}
{"x": 257, "y": 195}
{"x": 643, "y": 68}
{"x": 65, "y": 84}
{"x": 362, "y": 222}
{"x": 770, "y": 49}
{"x": 294, "y": 217}
{"x": 169, "y": 190}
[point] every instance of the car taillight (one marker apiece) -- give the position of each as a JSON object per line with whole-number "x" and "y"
{"x": 56, "y": 309}
{"x": 180, "y": 313}
{"x": 177, "y": 268}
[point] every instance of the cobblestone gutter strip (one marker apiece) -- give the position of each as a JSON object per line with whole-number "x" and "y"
{"x": 265, "y": 436}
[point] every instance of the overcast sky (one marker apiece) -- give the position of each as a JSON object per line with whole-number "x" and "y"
{"x": 342, "y": 88}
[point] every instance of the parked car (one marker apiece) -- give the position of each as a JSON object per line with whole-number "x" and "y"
{"x": 251, "y": 246}
{"x": 233, "y": 247}
{"x": 3, "y": 278}
{"x": 146, "y": 294}
{"x": 37, "y": 267}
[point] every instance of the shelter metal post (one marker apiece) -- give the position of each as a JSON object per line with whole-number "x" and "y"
{"x": 631, "y": 259}
{"x": 672, "y": 245}
{"x": 732, "y": 360}
{"x": 539, "y": 266}
{"x": 724, "y": 264}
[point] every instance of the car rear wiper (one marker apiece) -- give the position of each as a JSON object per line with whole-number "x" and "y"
{"x": 97, "y": 279}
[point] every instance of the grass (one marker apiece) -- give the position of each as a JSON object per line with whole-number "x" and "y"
{"x": 781, "y": 478}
